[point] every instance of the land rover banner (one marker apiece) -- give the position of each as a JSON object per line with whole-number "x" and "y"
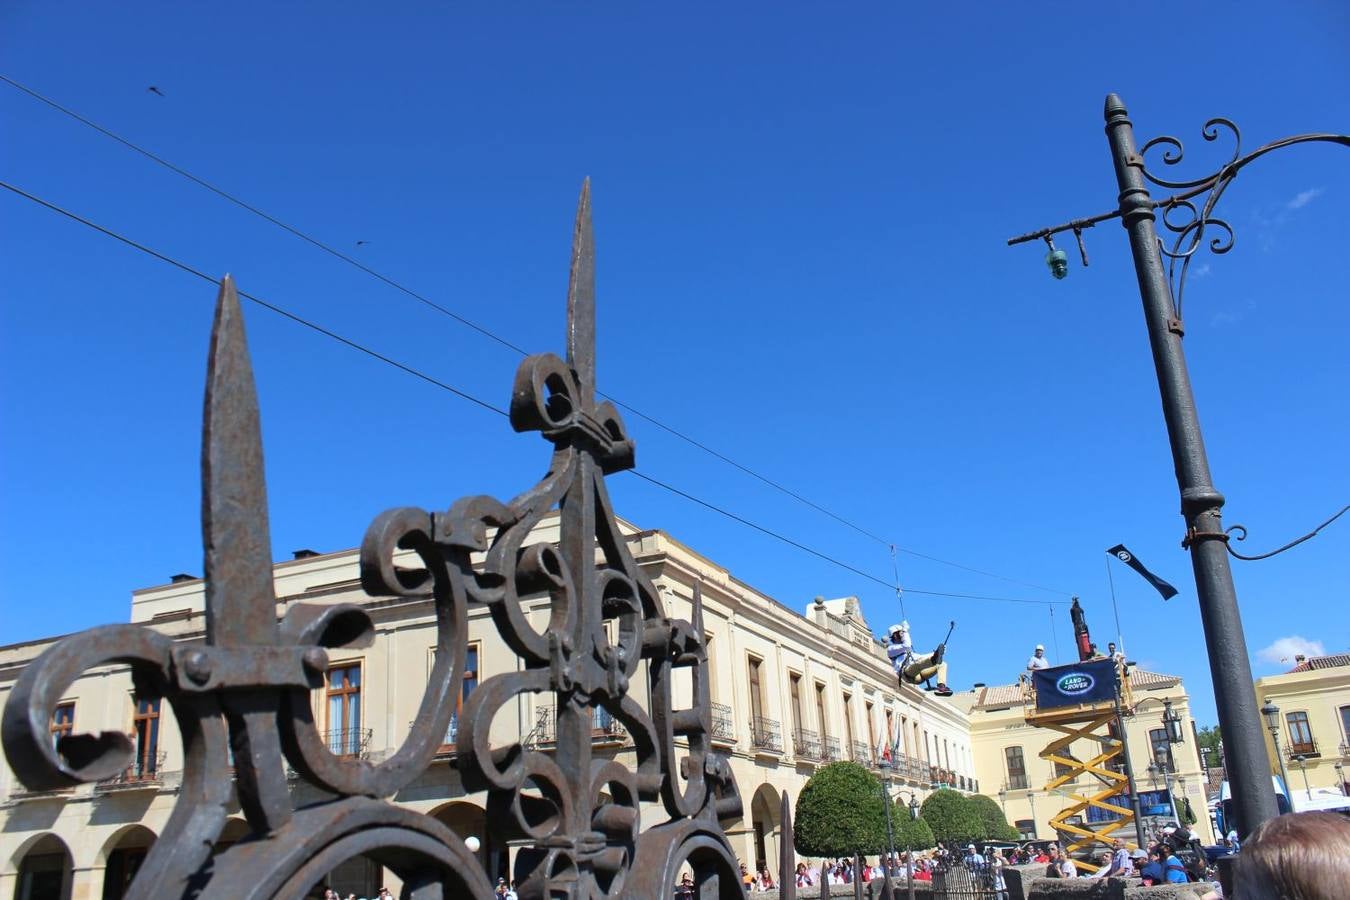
{"x": 1093, "y": 681}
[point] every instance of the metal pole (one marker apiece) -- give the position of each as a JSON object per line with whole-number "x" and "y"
{"x": 887, "y": 892}
{"x": 1129, "y": 772}
{"x": 1303, "y": 764}
{"x": 1284, "y": 776}
{"x": 1239, "y": 722}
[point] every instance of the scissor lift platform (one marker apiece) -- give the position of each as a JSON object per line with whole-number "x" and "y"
{"x": 1091, "y": 721}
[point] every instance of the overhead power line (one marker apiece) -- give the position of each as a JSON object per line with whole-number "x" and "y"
{"x": 464, "y": 395}
{"x": 491, "y": 335}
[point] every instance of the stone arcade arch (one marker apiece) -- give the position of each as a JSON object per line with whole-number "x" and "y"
{"x": 121, "y": 858}
{"x": 469, "y": 820}
{"x": 43, "y": 869}
{"x": 765, "y": 830}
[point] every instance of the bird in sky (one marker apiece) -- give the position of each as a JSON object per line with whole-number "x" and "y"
{"x": 362, "y": 243}
{"x": 154, "y": 90}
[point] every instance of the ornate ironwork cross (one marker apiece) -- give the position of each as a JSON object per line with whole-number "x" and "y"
{"x": 247, "y": 686}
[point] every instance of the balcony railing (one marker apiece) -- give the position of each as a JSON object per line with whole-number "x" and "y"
{"x": 766, "y": 734}
{"x": 349, "y": 742}
{"x": 147, "y": 772}
{"x": 723, "y": 726}
{"x": 605, "y": 729}
{"x": 1306, "y": 749}
{"x": 862, "y": 754}
{"x": 805, "y": 744}
{"x": 449, "y": 746}
{"x": 832, "y": 752}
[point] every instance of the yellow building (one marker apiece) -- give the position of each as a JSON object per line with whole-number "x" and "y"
{"x": 789, "y": 692}
{"x": 1313, "y": 699}
{"x": 1008, "y": 763}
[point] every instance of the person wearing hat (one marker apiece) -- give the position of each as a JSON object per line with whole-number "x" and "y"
{"x": 916, "y": 668}
{"x": 1038, "y": 660}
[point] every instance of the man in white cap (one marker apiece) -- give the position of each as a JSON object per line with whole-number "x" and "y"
{"x": 1038, "y": 660}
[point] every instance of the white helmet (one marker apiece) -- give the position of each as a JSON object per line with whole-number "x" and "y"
{"x": 903, "y": 626}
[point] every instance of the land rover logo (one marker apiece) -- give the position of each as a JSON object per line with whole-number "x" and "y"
{"x": 1075, "y": 683}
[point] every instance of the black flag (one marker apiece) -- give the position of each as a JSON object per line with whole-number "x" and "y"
{"x": 1129, "y": 559}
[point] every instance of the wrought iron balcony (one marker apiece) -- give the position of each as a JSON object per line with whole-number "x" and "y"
{"x": 605, "y": 729}
{"x": 449, "y": 746}
{"x": 349, "y": 742}
{"x": 806, "y": 744}
{"x": 832, "y": 752}
{"x": 862, "y": 754}
{"x": 766, "y": 734}
{"x": 723, "y": 726}
{"x": 147, "y": 772}
{"x": 1306, "y": 749}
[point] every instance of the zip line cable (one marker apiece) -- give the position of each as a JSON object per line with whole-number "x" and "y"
{"x": 464, "y": 395}
{"x": 488, "y": 333}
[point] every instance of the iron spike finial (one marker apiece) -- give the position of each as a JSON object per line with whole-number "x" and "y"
{"x": 581, "y": 296}
{"x": 237, "y": 546}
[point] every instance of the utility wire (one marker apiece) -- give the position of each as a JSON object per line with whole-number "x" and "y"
{"x": 464, "y": 395}
{"x": 488, "y": 333}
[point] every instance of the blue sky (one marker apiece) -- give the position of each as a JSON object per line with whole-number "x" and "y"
{"x": 800, "y": 216}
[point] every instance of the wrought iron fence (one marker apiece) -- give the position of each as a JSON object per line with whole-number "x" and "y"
{"x": 830, "y": 750}
{"x": 862, "y": 753}
{"x": 248, "y": 684}
{"x": 766, "y": 734}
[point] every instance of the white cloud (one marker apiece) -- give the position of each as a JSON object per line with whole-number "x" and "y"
{"x": 1284, "y": 649}
{"x": 1303, "y": 198}
{"x": 1201, "y": 271}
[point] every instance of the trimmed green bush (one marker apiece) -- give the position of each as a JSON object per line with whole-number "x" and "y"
{"x": 996, "y": 825}
{"x": 912, "y": 833}
{"x": 840, "y": 813}
{"x": 953, "y": 818}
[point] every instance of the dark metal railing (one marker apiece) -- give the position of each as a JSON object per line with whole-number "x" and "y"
{"x": 147, "y": 771}
{"x": 350, "y": 742}
{"x": 862, "y": 754}
{"x": 766, "y": 734}
{"x": 1305, "y": 749}
{"x": 605, "y": 729}
{"x": 723, "y": 725}
{"x": 831, "y": 751}
{"x": 805, "y": 744}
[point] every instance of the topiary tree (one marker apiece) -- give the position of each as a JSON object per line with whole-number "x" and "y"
{"x": 840, "y": 813}
{"x": 952, "y": 817}
{"x": 996, "y": 825}
{"x": 912, "y": 833}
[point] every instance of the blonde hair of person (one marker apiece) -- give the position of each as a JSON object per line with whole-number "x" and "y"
{"x": 1297, "y": 856}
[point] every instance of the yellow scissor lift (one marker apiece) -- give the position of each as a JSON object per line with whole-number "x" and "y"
{"x": 1091, "y": 722}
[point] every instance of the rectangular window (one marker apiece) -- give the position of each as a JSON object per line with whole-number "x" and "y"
{"x": 344, "y": 710}
{"x": 466, "y": 688}
{"x": 1300, "y": 734}
{"x": 820, "y": 711}
{"x": 871, "y": 727}
{"x": 145, "y": 722}
{"x": 795, "y": 692}
{"x": 1017, "y": 770}
{"x": 890, "y": 730}
{"x": 1345, "y": 724}
{"x": 848, "y": 721}
{"x": 63, "y": 722}
{"x": 756, "y": 692}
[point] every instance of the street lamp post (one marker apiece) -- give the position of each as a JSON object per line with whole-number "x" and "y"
{"x": 1272, "y": 714}
{"x": 1303, "y": 765}
{"x": 887, "y": 891}
{"x": 1340, "y": 776}
{"x": 1201, "y": 502}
